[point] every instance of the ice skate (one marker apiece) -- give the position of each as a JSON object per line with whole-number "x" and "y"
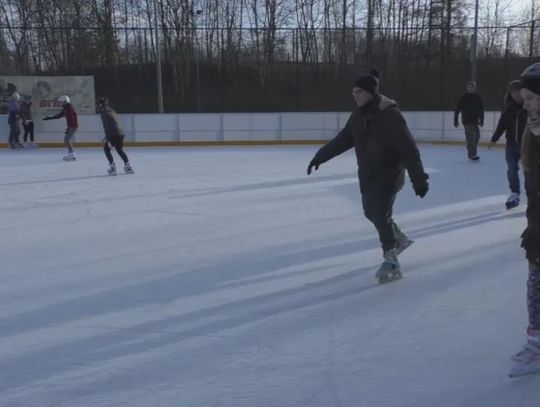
{"x": 69, "y": 157}
{"x": 128, "y": 169}
{"x": 403, "y": 242}
{"x": 512, "y": 201}
{"x": 526, "y": 361}
{"x": 112, "y": 169}
{"x": 389, "y": 269}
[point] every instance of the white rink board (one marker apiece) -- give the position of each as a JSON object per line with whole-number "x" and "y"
{"x": 216, "y": 127}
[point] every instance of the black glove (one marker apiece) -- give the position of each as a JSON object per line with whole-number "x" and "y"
{"x": 421, "y": 190}
{"x": 313, "y": 163}
{"x": 46, "y": 118}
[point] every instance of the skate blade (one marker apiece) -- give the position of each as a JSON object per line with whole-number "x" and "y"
{"x": 523, "y": 373}
{"x": 389, "y": 279}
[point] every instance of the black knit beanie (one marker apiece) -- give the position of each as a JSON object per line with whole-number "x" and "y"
{"x": 369, "y": 83}
{"x": 530, "y": 78}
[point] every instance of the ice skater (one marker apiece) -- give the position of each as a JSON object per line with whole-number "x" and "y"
{"x": 527, "y": 360}
{"x": 72, "y": 125}
{"x": 114, "y": 136}
{"x": 471, "y": 107}
{"x": 28, "y": 121}
{"x": 384, "y": 148}
{"x": 512, "y": 124}
{"x": 14, "y": 121}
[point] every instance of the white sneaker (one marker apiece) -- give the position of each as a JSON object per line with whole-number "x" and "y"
{"x": 69, "y": 157}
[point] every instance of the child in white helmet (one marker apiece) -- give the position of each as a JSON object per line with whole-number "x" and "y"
{"x": 72, "y": 125}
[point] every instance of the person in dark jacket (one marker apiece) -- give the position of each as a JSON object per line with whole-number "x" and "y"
{"x": 28, "y": 121}
{"x": 384, "y": 148}
{"x": 528, "y": 358}
{"x": 471, "y": 107}
{"x": 72, "y": 125}
{"x": 512, "y": 124}
{"x": 14, "y": 121}
{"x": 114, "y": 136}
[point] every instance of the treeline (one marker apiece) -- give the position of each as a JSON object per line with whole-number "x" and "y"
{"x": 268, "y": 55}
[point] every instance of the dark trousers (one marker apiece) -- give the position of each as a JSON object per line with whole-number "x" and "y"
{"x": 513, "y": 154}
{"x": 29, "y": 131}
{"x": 14, "y": 131}
{"x": 118, "y": 144}
{"x": 533, "y": 296}
{"x": 378, "y": 204}
{"x": 472, "y": 135}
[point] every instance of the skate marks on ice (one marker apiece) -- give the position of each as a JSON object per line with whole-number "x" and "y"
{"x": 53, "y": 180}
{"x": 104, "y": 343}
{"x": 270, "y": 185}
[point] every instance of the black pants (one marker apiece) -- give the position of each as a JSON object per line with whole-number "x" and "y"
{"x": 29, "y": 131}
{"x": 14, "y": 131}
{"x": 118, "y": 144}
{"x": 378, "y": 203}
{"x": 472, "y": 135}
{"x": 533, "y": 296}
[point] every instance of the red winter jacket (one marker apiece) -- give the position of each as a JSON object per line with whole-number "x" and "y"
{"x": 70, "y": 114}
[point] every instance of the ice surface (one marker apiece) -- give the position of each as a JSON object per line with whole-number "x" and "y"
{"x": 227, "y": 277}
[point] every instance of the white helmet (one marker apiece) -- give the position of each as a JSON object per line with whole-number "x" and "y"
{"x": 63, "y": 99}
{"x": 16, "y": 96}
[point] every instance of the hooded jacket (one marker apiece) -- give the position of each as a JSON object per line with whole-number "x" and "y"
{"x": 383, "y": 144}
{"x": 511, "y": 123}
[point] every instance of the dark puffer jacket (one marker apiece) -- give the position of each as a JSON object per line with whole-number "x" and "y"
{"x": 511, "y": 123}
{"x": 383, "y": 144}
{"x": 530, "y": 154}
{"x": 471, "y": 107}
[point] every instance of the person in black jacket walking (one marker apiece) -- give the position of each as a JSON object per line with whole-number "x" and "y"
{"x": 512, "y": 123}
{"x": 384, "y": 147}
{"x": 114, "y": 136}
{"x": 471, "y": 107}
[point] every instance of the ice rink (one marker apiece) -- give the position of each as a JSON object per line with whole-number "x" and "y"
{"x": 226, "y": 277}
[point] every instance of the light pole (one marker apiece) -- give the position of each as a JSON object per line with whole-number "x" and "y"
{"x": 158, "y": 59}
{"x": 474, "y": 45}
{"x": 197, "y": 14}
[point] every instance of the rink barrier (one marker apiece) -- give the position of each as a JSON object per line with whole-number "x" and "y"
{"x": 236, "y": 143}
{"x": 214, "y": 129}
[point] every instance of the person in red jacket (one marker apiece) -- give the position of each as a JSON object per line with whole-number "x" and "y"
{"x": 72, "y": 125}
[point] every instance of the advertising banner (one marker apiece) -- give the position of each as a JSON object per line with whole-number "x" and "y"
{"x": 45, "y": 90}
